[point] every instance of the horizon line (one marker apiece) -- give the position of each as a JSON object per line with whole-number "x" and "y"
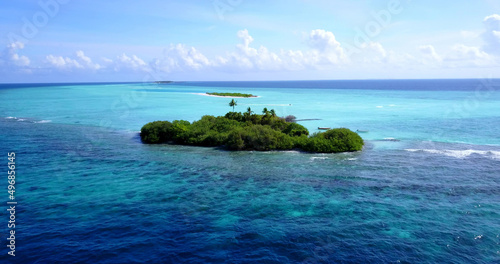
{"x": 303, "y": 80}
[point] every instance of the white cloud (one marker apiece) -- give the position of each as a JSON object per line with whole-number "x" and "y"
{"x": 87, "y": 61}
{"x": 323, "y": 52}
{"x": 429, "y": 54}
{"x": 462, "y": 52}
{"x": 180, "y": 58}
{"x": 106, "y": 60}
{"x": 248, "y": 58}
{"x": 373, "y": 55}
{"x": 326, "y": 49}
{"x": 247, "y": 40}
{"x": 400, "y": 60}
{"x": 11, "y": 59}
{"x": 134, "y": 63}
{"x": 293, "y": 60}
{"x": 188, "y": 56}
{"x": 62, "y": 63}
{"x": 80, "y": 62}
{"x": 372, "y": 52}
{"x": 461, "y": 55}
{"x": 491, "y": 36}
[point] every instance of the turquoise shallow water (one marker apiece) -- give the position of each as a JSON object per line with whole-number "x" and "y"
{"x": 89, "y": 191}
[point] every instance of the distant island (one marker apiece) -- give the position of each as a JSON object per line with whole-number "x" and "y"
{"x": 232, "y": 95}
{"x": 162, "y": 82}
{"x": 249, "y": 131}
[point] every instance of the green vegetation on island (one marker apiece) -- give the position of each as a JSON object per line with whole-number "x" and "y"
{"x": 233, "y": 94}
{"x": 249, "y": 131}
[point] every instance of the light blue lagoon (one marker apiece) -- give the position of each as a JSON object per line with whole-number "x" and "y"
{"x": 426, "y": 187}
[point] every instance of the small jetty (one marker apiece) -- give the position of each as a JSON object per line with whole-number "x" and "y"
{"x": 391, "y": 139}
{"x": 309, "y": 119}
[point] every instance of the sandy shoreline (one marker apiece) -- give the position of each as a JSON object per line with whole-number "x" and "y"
{"x": 204, "y": 94}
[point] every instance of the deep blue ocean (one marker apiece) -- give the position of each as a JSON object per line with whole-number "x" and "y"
{"x": 425, "y": 188}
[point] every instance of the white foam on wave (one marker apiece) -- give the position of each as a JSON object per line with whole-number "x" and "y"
{"x": 379, "y": 106}
{"x": 290, "y": 151}
{"x": 390, "y": 139}
{"x": 29, "y": 120}
{"x": 319, "y": 158}
{"x": 43, "y": 121}
{"x": 461, "y": 154}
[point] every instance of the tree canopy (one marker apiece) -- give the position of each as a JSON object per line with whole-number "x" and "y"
{"x": 233, "y": 103}
{"x": 247, "y": 131}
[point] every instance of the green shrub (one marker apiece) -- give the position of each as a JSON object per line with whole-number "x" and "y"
{"x": 181, "y": 131}
{"x": 247, "y": 131}
{"x": 156, "y": 132}
{"x": 222, "y": 124}
{"x": 295, "y": 130}
{"x": 344, "y": 139}
{"x": 334, "y": 140}
{"x": 259, "y": 137}
{"x": 279, "y": 124}
{"x": 235, "y": 116}
{"x": 235, "y": 139}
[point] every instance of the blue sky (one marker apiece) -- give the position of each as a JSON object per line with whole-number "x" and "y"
{"x": 87, "y": 41}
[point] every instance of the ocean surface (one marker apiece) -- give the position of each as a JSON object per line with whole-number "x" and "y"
{"x": 425, "y": 189}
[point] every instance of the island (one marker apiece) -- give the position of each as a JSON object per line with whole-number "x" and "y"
{"x": 163, "y": 82}
{"x": 232, "y": 95}
{"x": 248, "y": 131}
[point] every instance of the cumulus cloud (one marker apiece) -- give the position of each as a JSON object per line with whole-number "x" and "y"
{"x": 400, "y": 60}
{"x": 294, "y": 59}
{"x": 322, "y": 51}
{"x": 134, "y": 63}
{"x": 107, "y": 60}
{"x": 181, "y": 57}
{"x": 86, "y": 61}
{"x": 11, "y": 59}
{"x": 326, "y": 49}
{"x": 429, "y": 54}
{"x": 465, "y": 52}
{"x": 62, "y": 63}
{"x": 245, "y": 37}
{"x": 372, "y": 52}
{"x": 249, "y": 58}
{"x": 80, "y": 62}
{"x": 374, "y": 55}
{"x": 491, "y": 36}
{"x": 461, "y": 55}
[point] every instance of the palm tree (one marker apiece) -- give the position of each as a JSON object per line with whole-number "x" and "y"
{"x": 265, "y": 111}
{"x": 249, "y": 110}
{"x": 233, "y": 103}
{"x": 273, "y": 113}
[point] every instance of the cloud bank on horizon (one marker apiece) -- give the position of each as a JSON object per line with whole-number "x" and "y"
{"x": 382, "y": 47}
